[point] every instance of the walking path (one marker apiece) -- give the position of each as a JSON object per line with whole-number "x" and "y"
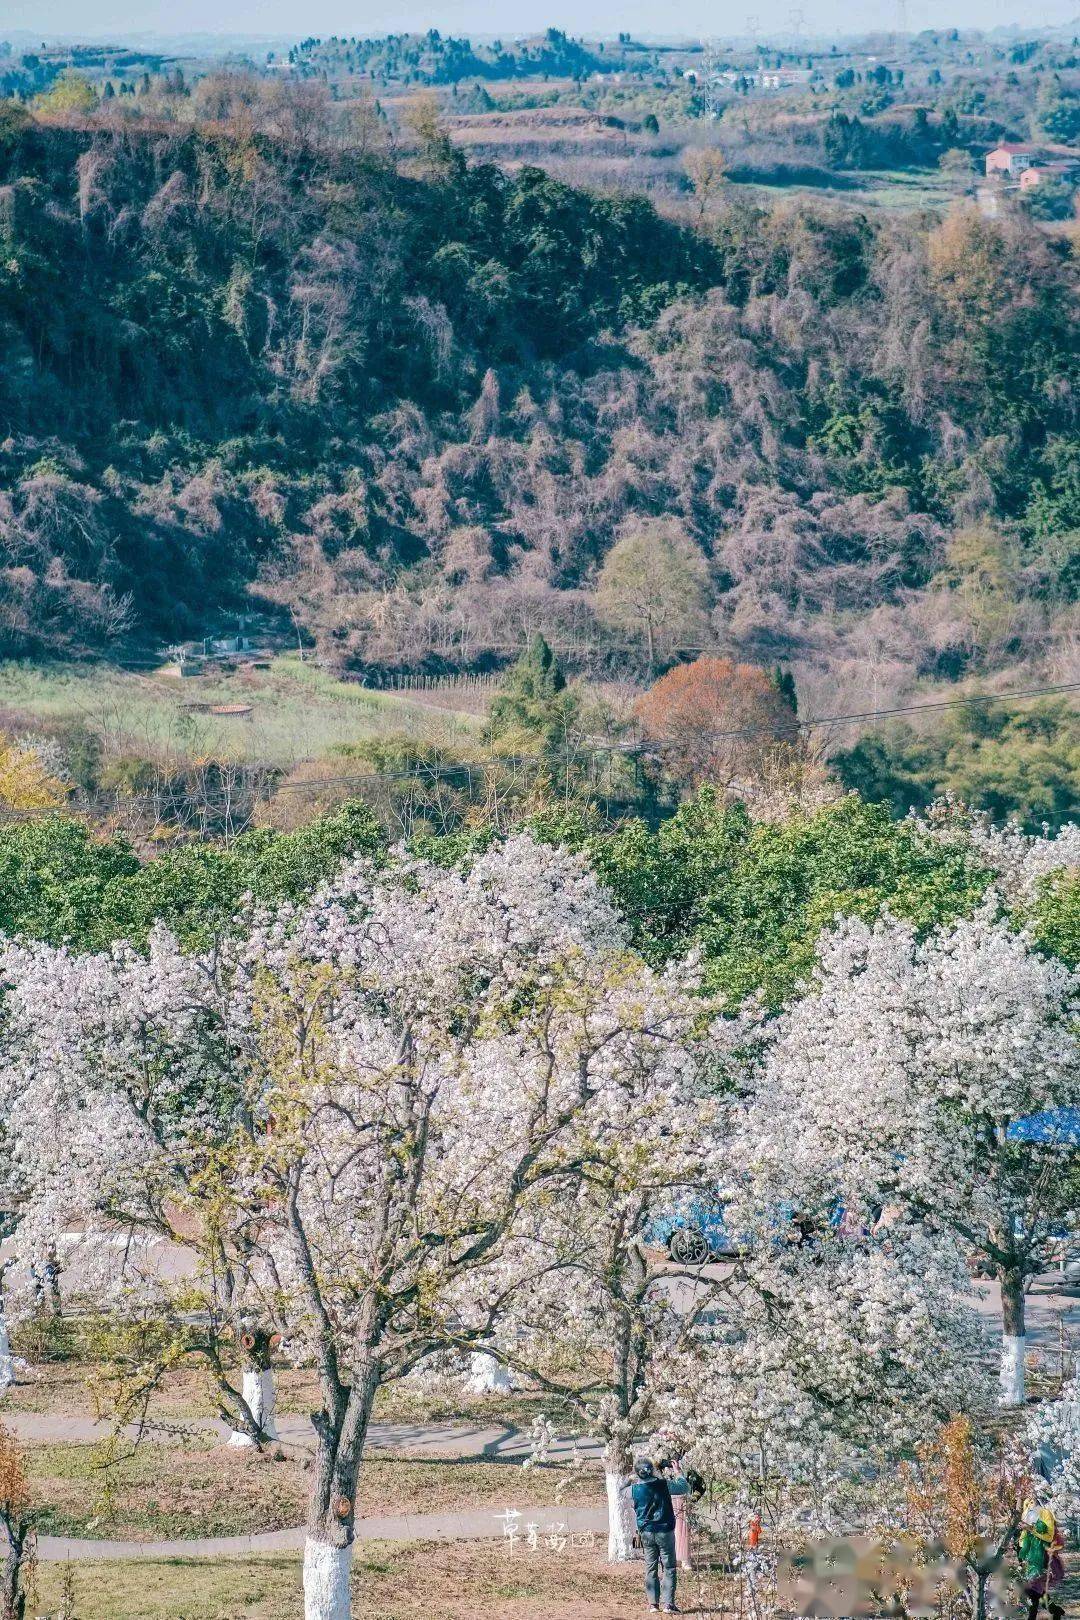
{"x": 476, "y": 1526}
{"x": 445, "y": 1442}
{"x": 1050, "y": 1310}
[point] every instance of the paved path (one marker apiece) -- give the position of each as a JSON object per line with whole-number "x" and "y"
{"x": 476, "y": 1526}
{"x": 445, "y": 1442}
{"x": 1051, "y": 1309}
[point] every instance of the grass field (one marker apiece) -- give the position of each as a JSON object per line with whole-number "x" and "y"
{"x": 907, "y": 190}
{"x": 201, "y": 1488}
{"x": 66, "y": 1388}
{"x": 415, "y": 1581}
{"x": 297, "y": 710}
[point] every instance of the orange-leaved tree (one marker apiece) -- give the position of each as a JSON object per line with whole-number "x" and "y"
{"x": 715, "y": 721}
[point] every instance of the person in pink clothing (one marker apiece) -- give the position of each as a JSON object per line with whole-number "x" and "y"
{"x": 681, "y": 1504}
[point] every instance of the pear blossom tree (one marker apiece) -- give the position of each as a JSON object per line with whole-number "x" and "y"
{"x": 346, "y": 1113}
{"x": 909, "y": 1064}
{"x": 1053, "y": 1437}
{"x": 1021, "y": 862}
{"x": 795, "y": 1373}
{"x": 7, "y": 1366}
{"x": 831, "y": 1360}
{"x": 105, "y": 1055}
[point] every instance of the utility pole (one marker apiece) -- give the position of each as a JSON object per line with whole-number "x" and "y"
{"x": 710, "y": 80}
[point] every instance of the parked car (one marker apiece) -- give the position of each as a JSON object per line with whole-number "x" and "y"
{"x": 696, "y": 1235}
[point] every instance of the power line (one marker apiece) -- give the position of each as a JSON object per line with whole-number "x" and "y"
{"x": 874, "y": 715}
{"x": 433, "y": 770}
{"x": 631, "y": 748}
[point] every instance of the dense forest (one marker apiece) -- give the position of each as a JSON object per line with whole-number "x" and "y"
{"x": 417, "y": 403}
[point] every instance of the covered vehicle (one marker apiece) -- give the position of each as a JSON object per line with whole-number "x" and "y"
{"x": 696, "y": 1234}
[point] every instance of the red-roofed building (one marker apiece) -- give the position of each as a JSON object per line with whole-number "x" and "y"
{"x": 1011, "y": 158}
{"x": 1039, "y": 173}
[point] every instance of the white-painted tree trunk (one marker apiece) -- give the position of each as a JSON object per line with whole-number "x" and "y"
{"x": 1012, "y": 1392}
{"x": 260, "y": 1395}
{"x": 7, "y": 1370}
{"x": 1013, "y": 1339}
{"x": 326, "y": 1580}
{"x": 487, "y": 1376}
{"x": 621, "y": 1522}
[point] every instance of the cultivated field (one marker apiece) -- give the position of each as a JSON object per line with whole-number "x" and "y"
{"x": 293, "y": 710}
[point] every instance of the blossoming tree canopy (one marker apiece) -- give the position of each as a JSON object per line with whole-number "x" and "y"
{"x": 1053, "y": 1436}
{"x": 910, "y": 1060}
{"x": 342, "y": 1115}
{"x": 806, "y": 1368}
{"x": 838, "y": 1356}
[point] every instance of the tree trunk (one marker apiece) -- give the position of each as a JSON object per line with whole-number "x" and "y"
{"x": 260, "y": 1397}
{"x": 20, "y": 1548}
{"x": 52, "y": 1283}
{"x": 1013, "y": 1342}
{"x": 7, "y": 1369}
{"x": 328, "y": 1549}
{"x": 620, "y": 1506}
{"x": 326, "y": 1580}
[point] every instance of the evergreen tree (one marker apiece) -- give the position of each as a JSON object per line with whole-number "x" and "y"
{"x": 784, "y": 682}
{"x": 535, "y": 701}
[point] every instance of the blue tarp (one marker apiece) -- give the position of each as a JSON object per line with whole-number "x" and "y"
{"x": 1058, "y": 1125}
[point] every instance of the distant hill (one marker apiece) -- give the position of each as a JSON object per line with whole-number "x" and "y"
{"x": 413, "y": 403}
{"x": 434, "y": 58}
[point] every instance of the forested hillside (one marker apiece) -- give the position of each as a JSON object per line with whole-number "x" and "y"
{"x": 434, "y": 58}
{"x": 416, "y": 403}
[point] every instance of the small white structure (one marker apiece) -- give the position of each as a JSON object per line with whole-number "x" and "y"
{"x": 486, "y": 1376}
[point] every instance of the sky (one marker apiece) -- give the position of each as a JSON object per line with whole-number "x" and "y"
{"x": 87, "y": 19}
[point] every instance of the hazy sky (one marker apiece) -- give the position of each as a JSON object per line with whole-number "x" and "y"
{"x": 69, "y": 19}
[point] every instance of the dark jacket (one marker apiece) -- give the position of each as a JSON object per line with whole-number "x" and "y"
{"x": 652, "y": 1502}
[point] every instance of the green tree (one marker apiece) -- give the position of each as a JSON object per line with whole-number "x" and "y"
{"x": 1057, "y": 111}
{"x": 14, "y": 122}
{"x": 653, "y": 585}
{"x": 981, "y": 568}
{"x": 1054, "y": 916}
{"x": 70, "y": 94}
{"x": 1021, "y": 763}
{"x": 54, "y": 876}
{"x": 59, "y": 882}
{"x": 754, "y": 897}
{"x": 534, "y": 704}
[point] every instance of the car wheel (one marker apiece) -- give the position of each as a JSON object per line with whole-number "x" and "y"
{"x": 687, "y": 1247}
